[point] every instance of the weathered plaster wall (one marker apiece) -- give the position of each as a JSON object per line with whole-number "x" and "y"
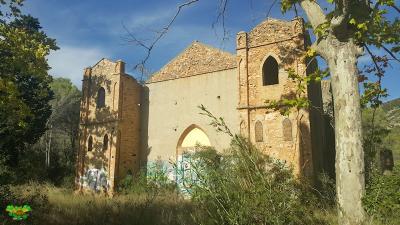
{"x": 173, "y": 108}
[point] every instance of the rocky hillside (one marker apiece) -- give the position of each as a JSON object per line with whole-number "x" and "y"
{"x": 392, "y": 110}
{"x": 392, "y": 113}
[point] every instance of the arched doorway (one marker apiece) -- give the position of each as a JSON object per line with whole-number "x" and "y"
{"x": 191, "y": 138}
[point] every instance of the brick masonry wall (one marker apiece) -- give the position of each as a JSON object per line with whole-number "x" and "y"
{"x": 108, "y": 120}
{"x": 283, "y": 40}
{"x": 196, "y": 59}
{"x": 128, "y": 157}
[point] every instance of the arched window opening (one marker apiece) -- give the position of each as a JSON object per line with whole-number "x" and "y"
{"x": 191, "y": 137}
{"x": 287, "y": 129}
{"x": 90, "y": 144}
{"x": 105, "y": 142}
{"x": 101, "y": 95}
{"x": 270, "y": 71}
{"x": 258, "y": 129}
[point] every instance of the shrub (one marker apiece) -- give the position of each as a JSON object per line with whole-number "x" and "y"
{"x": 382, "y": 199}
{"x": 244, "y": 186}
{"x": 142, "y": 183}
{"x": 32, "y": 194}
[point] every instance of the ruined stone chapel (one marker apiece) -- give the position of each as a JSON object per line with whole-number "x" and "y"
{"x": 126, "y": 125}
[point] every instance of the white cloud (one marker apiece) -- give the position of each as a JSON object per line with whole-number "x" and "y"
{"x": 69, "y": 62}
{"x": 137, "y": 22}
{"x": 149, "y": 19}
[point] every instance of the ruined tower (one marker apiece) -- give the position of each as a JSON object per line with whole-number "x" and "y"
{"x": 264, "y": 56}
{"x": 109, "y": 138}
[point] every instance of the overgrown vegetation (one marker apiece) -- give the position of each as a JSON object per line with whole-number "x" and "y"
{"x": 24, "y": 84}
{"x": 381, "y": 133}
{"x": 58, "y": 206}
{"x": 382, "y": 199}
{"x": 244, "y": 186}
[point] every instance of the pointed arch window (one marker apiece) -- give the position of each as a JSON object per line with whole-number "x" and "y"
{"x": 287, "y": 129}
{"x": 101, "y": 95}
{"x": 105, "y": 142}
{"x": 270, "y": 71}
{"x": 90, "y": 144}
{"x": 258, "y": 130}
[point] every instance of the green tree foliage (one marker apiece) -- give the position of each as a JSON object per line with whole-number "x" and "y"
{"x": 375, "y": 127}
{"x": 58, "y": 144}
{"x": 343, "y": 31}
{"x": 382, "y": 200}
{"x": 369, "y": 24}
{"x": 24, "y": 82}
{"x": 57, "y": 148}
{"x": 66, "y": 106}
{"x": 381, "y": 131}
{"x": 12, "y": 8}
{"x": 392, "y": 113}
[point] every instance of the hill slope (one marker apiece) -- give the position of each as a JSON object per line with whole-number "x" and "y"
{"x": 392, "y": 110}
{"x": 392, "y": 113}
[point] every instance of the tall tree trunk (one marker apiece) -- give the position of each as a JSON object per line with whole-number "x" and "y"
{"x": 350, "y": 184}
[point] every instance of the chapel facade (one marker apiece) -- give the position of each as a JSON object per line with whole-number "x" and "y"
{"x": 126, "y": 126}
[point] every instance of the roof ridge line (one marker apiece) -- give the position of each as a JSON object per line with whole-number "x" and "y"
{"x": 193, "y": 43}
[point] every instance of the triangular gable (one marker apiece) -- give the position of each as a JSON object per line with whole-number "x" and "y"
{"x": 197, "y": 59}
{"x": 271, "y": 30}
{"x": 104, "y": 66}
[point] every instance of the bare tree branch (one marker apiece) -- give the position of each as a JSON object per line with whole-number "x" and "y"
{"x": 270, "y": 8}
{"x": 373, "y": 57}
{"x": 149, "y": 47}
{"x": 221, "y": 17}
{"x": 390, "y": 53}
{"x": 396, "y": 8}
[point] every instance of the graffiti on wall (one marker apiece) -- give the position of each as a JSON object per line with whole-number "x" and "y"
{"x": 95, "y": 179}
{"x": 180, "y": 172}
{"x": 185, "y": 174}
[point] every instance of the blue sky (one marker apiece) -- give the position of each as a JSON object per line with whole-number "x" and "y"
{"x": 88, "y": 30}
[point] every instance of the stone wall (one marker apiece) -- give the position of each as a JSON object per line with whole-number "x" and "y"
{"x": 285, "y": 42}
{"x": 97, "y": 169}
{"x": 129, "y": 127}
{"x": 147, "y": 124}
{"x": 196, "y": 59}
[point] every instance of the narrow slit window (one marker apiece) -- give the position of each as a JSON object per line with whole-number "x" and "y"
{"x": 258, "y": 129}
{"x": 90, "y": 144}
{"x": 270, "y": 71}
{"x": 101, "y": 95}
{"x": 287, "y": 129}
{"x": 105, "y": 142}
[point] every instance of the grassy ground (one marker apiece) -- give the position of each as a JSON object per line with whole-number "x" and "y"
{"x": 51, "y": 205}
{"x": 64, "y": 207}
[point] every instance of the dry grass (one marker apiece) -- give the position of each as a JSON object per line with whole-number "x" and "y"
{"x": 65, "y": 207}
{"x": 164, "y": 208}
